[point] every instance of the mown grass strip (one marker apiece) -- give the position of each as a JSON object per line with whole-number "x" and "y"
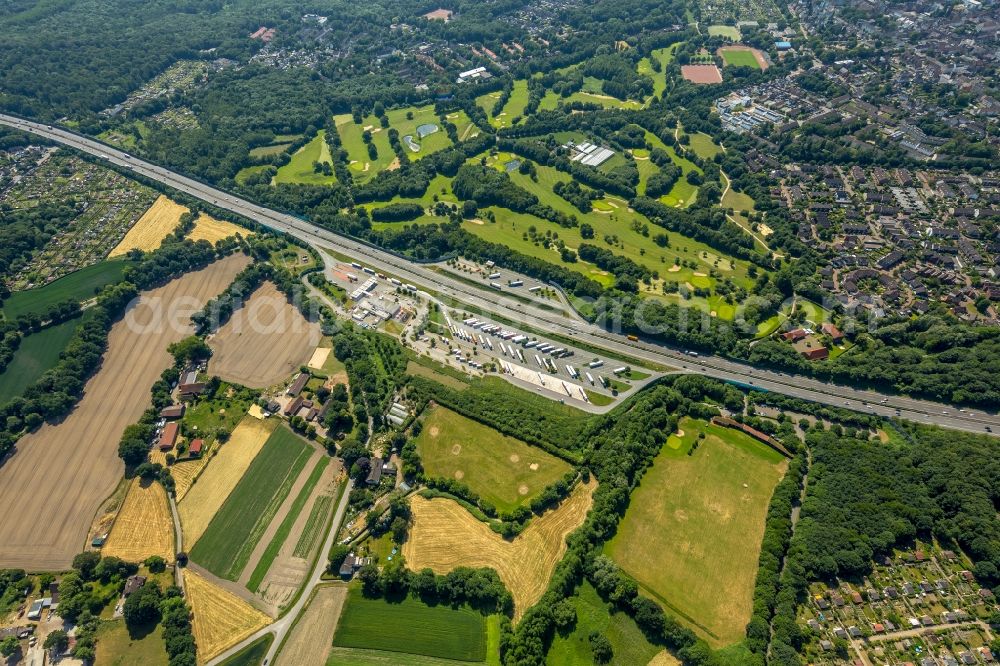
{"x": 311, "y": 531}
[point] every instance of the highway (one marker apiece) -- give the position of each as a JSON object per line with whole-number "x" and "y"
{"x": 537, "y": 319}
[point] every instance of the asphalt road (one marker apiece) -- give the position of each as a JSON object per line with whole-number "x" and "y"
{"x": 495, "y": 303}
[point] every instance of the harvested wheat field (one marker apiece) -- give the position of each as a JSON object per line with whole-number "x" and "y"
{"x": 144, "y": 526}
{"x": 265, "y": 341}
{"x": 213, "y": 230}
{"x": 149, "y": 231}
{"x": 49, "y": 507}
{"x": 445, "y": 536}
{"x": 227, "y": 467}
{"x": 221, "y": 619}
{"x": 312, "y": 636}
{"x": 186, "y": 471}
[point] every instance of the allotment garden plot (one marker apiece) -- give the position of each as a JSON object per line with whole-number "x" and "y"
{"x": 691, "y": 536}
{"x": 502, "y": 470}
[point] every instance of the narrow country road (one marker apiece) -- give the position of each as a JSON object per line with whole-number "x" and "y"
{"x": 283, "y": 624}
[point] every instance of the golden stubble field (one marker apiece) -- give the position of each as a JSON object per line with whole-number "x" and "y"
{"x": 149, "y": 230}
{"x": 144, "y": 526}
{"x": 224, "y": 471}
{"x": 220, "y": 618}
{"x": 213, "y": 230}
{"x": 53, "y": 484}
{"x": 445, "y": 536}
{"x": 162, "y": 218}
{"x": 264, "y": 342}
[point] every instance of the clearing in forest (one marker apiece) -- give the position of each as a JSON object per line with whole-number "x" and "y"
{"x": 691, "y": 535}
{"x": 49, "y": 507}
{"x": 149, "y": 231}
{"x": 227, "y": 467}
{"x": 444, "y": 536}
{"x": 144, "y": 526}
{"x": 502, "y": 470}
{"x": 264, "y": 341}
{"x": 220, "y": 618}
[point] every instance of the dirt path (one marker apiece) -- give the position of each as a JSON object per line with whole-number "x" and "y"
{"x": 51, "y": 488}
{"x": 311, "y": 638}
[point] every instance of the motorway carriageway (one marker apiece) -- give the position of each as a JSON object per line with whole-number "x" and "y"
{"x": 536, "y": 318}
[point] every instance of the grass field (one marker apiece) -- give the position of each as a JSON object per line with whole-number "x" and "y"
{"x": 691, "y": 535}
{"x": 234, "y": 531}
{"x": 150, "y": 229}
{"x": 80, "y": 285}
{"x": 116, "y": 647}
{"x": 629, "y": 645}
{"x": 411, "y": 627}
{"x": 423, "y": 115}
{"x": 37, "y": 353}
{"x": 445, "y": 536}
{"x": 500, "y": 469}
{"x": 213, "y": 230}
{"x": 739, "y": 58}
{"x": 728, "y": 31}
{"x": 267, "y": 151}
{"x": 425, "y": 370}
{"x": 251, "y": 655}
{"x": 363, "y": 168}
{"x": 286, "y": 526}
{"x": 299, "y": 169}
{"x": 220, "y": 618}
{"x": 144, "y": 526}
{"x": 225, "y": 470}
{"x": 703, "y": 146}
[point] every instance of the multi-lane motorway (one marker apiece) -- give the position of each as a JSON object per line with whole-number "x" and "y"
{"x": 472, "y": 298}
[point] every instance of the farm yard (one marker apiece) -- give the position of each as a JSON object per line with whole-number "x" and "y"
{"x": 144, "y": 526}
{"x": 411, "y": 627}
{"x": 227, "y": 467}
{"x": 691, "y": 535}
{"x": 444, "y": 536}
{"x": 224, "y": 548}
{"x": 220, "y": 618}
{"x": 52, "y": 505}
{"x": 149, "y": 231}
{"x": 500, "y": 469}
{"x": 264, "y": 341}
{"x": 310, "y": 639}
